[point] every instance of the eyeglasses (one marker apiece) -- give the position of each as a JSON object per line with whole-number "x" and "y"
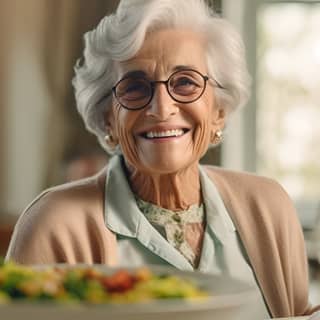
{"x": 183, "y": 86}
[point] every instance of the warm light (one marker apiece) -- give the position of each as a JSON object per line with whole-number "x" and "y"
{"x": 288, "y": 82}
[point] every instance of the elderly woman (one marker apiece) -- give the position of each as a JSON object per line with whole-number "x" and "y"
{"x": 158, "y": 80}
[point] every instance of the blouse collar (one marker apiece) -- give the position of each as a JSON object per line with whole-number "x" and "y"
{"x": 123, "y": 216}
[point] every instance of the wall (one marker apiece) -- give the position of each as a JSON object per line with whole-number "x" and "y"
{"x": 239, "y": 145}
{"x": 40, "y": 42}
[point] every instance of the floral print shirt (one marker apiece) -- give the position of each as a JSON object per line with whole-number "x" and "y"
{"x": 182, "y": 229}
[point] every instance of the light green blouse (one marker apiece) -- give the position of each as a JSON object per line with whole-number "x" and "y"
{"x": 140, "y": 243}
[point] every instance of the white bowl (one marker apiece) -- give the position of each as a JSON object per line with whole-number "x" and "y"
{"x": 228, "y": 299}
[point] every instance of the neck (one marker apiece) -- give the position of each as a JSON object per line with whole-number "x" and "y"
{"x": 174, "y": 191}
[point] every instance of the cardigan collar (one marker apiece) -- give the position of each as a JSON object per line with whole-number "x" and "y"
{"x": 123, "y": 216}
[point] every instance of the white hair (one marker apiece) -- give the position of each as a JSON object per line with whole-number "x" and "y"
{"x": 119, "y": 36}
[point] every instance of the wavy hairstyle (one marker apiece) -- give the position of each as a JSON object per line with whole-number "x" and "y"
{"x": 119, "y": 36}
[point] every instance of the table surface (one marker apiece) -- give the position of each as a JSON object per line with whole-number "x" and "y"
{"x": 314, "y": 316}
{"x": 296, "y": 318}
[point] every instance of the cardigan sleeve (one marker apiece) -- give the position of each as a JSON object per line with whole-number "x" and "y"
{"x": 291, "y": 244}
{"x": 38, "y": 237}
{"x": 270, "y": 231}
{"x": 63, "y": 226}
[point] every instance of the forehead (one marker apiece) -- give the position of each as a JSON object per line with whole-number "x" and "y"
{"x": 164, "y": 50}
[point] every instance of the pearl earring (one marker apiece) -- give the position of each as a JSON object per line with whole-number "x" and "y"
{"x": 218, "y": 136}
{"x": 108, "y": 138}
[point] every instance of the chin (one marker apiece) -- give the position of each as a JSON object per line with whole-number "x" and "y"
{"x": 161, "y": 165}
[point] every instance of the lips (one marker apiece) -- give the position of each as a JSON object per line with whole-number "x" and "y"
{"x": 164, "y": 133}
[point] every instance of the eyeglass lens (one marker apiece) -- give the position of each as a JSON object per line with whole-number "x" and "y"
{"x": 183, "y": 86}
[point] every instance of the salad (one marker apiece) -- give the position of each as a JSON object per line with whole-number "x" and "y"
{"x": 74, "y": 284}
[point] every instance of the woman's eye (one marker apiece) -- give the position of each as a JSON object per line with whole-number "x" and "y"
{"x": 134, "y": 87}
{"x": 184, "y": 82}
{"x": 184, "y": 86}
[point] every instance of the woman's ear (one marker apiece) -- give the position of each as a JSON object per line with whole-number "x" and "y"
{"x": 219, "y": 117}
{"x": 109, "y": 120}
{"x": 217, "y": 126}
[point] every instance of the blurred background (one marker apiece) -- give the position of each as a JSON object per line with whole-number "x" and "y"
{"x": 43, "y": 141}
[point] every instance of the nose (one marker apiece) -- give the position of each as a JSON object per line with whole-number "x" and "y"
{"x": 162, "y": 106}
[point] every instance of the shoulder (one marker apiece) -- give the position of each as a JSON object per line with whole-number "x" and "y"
{"x": 244, "y": 180}
{"x": 57, "y": 217}
{"x": 84, "y": 195}
{"x": 262, "y": 196}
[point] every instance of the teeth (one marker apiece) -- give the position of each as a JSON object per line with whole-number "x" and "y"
{"x": 167, "y": 133}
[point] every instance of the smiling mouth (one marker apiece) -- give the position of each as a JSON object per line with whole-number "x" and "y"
{"x": 164, "y": 134}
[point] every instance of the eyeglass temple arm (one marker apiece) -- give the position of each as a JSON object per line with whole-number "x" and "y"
{"x": 216, "y": 82}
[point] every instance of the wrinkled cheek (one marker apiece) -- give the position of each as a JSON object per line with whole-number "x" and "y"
{"x": 127, "y": 144}
{"x": 126, "y": 139}
{"x": 201, "y": 139}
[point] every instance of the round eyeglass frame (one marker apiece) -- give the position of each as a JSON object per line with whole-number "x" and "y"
{"x": 166, "y": 83}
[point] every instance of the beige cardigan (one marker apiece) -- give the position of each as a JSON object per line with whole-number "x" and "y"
{"x": 66, "y": 224}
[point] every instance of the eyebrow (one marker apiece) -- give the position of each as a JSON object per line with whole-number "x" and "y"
{"x": 141, "y": 73}
{"x": 184, "y": 67}
{"x": 134, "y": 74}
